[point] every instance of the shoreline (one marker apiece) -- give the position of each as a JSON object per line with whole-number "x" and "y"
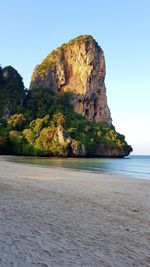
{"x": 60, "y": 217}
{"x": 9, "y": 158}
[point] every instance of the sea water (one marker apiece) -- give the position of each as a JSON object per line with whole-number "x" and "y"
{"x": 134, "y": 166}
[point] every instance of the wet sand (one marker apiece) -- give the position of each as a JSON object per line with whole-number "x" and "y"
{"x": 59, "y": 217}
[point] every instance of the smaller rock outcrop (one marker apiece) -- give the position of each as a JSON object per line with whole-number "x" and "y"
{"x": 12, "y": 91}
{"x": 61, "y": 137}
{"x": 78, "y": 149}
{"x": 103, "y": 151}
{"x": 71, "y": 146}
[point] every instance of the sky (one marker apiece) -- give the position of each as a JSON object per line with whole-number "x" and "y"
{"x": 31, "y": 29}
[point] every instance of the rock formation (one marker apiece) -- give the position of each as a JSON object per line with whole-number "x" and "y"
{"x": 53, "y": 129}
{"x": 12, "y": 91}
{"x": 62, "y": 138}
{"x": 77, "y": 67}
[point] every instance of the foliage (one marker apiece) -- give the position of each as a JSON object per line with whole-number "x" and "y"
{"x": 42, "y": 137}
{"x": 16, "y": 121}
{"x": 2, "y": 144}
{"x": 3, "y": 137}
{"x": 40, "y": 102}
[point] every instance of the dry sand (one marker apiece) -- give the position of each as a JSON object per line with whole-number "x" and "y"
{"x": 59, "y": 217}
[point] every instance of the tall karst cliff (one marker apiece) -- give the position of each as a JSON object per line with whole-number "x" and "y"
{"x": 77, "y": 67}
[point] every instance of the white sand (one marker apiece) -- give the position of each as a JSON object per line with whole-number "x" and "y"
{"x": 56, "y": 217}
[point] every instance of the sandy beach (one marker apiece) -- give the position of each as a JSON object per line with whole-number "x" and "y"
{"x": 60, "y": 217}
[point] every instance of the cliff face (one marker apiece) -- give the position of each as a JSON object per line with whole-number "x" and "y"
{"x": 77, "y": 67}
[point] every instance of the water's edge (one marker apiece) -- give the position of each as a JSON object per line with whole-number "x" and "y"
{"x": 133, "y": 166}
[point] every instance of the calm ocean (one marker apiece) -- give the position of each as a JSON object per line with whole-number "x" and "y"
{"x": 134, "y": 166}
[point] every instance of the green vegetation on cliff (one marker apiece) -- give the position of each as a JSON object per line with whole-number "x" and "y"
{"x": 59, "y": 135}
{"x": 48, "y": 126}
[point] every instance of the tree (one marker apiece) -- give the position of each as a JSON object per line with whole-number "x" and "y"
{"x": 59, "y": 119}
{"x": 2, "y": 144}
{"x": 16, "y": 121}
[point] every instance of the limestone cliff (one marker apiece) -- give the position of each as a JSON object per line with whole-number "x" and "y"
{"x": 77, "y": 67}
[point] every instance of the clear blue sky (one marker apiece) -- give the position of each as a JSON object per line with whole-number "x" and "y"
{"x": 30, "y": 29}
